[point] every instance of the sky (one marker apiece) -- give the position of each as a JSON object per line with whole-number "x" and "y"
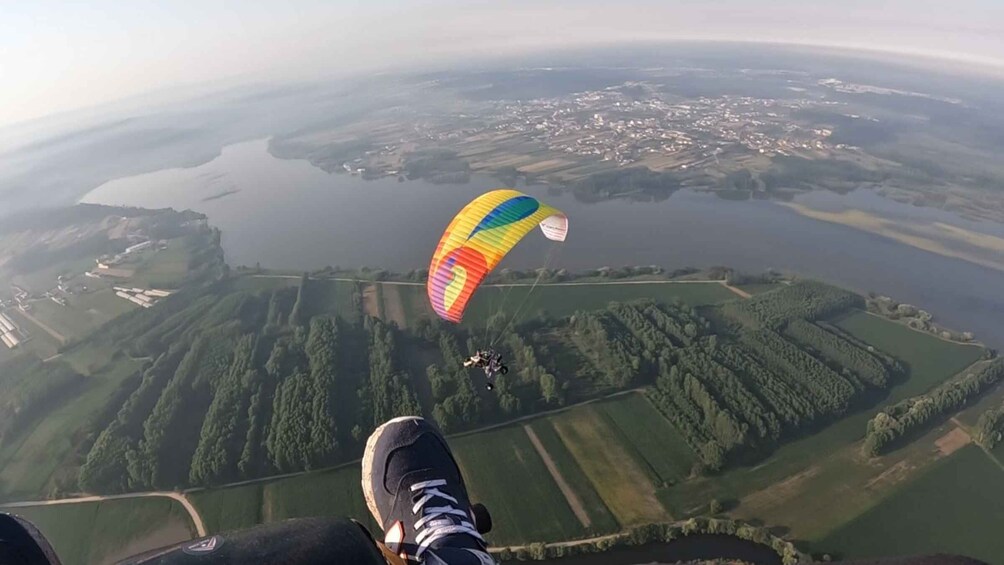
{"x": 57, "y": 56}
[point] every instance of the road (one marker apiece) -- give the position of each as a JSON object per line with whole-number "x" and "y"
{"x": 200, "y": 527}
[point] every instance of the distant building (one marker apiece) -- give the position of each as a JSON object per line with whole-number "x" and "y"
{"x": 138, "y": 247}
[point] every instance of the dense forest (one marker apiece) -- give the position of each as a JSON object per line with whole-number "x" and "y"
{"x": 767, "y": 374}
{"x": 238, "y": 380}
{"x": 244, "y": 383}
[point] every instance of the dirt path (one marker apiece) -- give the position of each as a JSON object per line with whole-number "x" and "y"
{"x": 737, "y": 290}
{"x": 200, "y": 527}
{"x": 566, "y": 489}
{"x": 393, "y": 308}
{"x": 58, "y": 336}
{"x": 990, "y": 454}
{"x": 953, "y": 440}
{"x": 370, "y": 305}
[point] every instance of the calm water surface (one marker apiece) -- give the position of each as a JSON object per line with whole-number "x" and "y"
{"x": 288, "y": 214}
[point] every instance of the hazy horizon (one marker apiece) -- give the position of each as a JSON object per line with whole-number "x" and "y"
{"x": 58, "y": 58}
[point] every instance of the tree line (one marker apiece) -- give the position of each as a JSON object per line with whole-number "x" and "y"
{"x": 646, "y": 534}
{"x": 901, "y": 420}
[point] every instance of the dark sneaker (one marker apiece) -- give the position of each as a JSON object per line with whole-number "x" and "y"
{"x": 414, "y": 490}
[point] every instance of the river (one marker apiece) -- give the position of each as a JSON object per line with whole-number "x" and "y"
{"x": 288, "y": 214}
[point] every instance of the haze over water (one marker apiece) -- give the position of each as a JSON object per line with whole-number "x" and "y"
{"x": 288, "y": 214}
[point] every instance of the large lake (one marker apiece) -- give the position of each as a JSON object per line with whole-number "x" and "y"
{"x": 288, "y": 214}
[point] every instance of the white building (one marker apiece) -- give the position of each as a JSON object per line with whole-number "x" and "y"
{"x": 138, "y": 247}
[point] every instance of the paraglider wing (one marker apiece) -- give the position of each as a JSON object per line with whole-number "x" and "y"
{"x": 478, "y": 238}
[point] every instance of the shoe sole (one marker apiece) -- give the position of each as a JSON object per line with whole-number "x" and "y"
{"x": 367, "y": 465}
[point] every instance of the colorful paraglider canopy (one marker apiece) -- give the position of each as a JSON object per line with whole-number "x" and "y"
{"x": 478, "y": 238}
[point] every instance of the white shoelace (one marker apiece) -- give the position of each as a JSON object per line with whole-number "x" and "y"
{"x": 437, "y": 522}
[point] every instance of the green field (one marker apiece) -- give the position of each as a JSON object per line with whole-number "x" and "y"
{"x": 228, "y": 509}
{"x": 503, "y": 471}
{"x": 39, "y": 342}
{"x": 565, "y": 300}
{"x": 957, "y": 507}
{"x": 556, "y": 300}
{"x": 323, "y": 296}
{"x": 601, "y": 520}
{"x": 42, "y": 280}
{"x": 164, "y": 269}
{"x": 102, "y": 532}
{"x": 83, "y": 313}
{"x": 624, "y": 482}
{"x": 653, "y": 438}
{"x": 929, "y": 360}
{"x": 336, "y": 492}
{"x": 35, "y": 457}
{"x": 329, "y": 493}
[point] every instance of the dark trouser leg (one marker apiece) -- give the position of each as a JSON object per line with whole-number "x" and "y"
{"x": 303, "y": 541}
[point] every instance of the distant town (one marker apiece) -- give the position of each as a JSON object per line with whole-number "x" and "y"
{"x": 564, "y": 138}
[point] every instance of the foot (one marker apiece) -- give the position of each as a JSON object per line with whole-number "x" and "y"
{"x": 414, "y": 490}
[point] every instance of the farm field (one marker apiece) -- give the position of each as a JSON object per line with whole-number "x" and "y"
{"x": 928, "y": 361}
{"x": 653, "y": 438}
{"x": 335, "y": 492}
{"x": 565, "y": 300}
{"x": 601, "y": 520}
{"x": 324, "y": 296}
{"x": 164, "y": 269}
{"x": 83, "y": 313}
{"x": 28, "y": 464}
{"x": 625, "y": 483}
{"x": 841, "y": 486}
{"x": 106, "y": 531}
{"x": 229, "y": 508}
{"x": 499, "y": 463}
{"x": 966, "y": 495}
{"x": 407, "y": 303}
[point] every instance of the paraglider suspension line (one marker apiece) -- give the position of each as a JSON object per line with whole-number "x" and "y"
{"x": 540, "y": 274}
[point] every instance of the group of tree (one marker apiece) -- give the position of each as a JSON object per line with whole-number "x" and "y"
{"x": 803, "y": 300}
{"x": 903, "y": 419}
{"x": 638, "y": 183}
{"x": 865, "y": 367}
{"x": 240, "y": 383}
{"x": 662, "y": 533}
{"x": 990, "y": 427}
{"x": 749, "y": 387}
